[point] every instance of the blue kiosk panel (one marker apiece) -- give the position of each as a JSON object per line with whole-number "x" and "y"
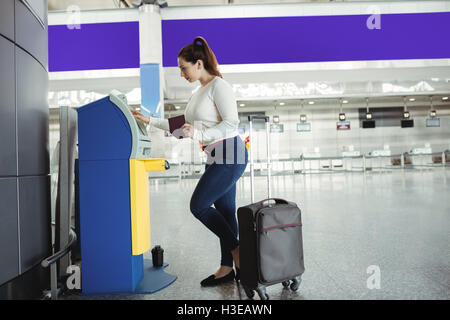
{"x": 104, "y": 132}
{"x": 104, "y": 139}
{"x": 106, "y": 260}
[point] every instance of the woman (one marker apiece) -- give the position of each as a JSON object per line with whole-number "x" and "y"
{"x": 212, "y": 119}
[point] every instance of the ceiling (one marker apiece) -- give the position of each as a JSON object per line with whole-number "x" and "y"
{"x": 334, "y": 104}
{"x": 56, "y": 5}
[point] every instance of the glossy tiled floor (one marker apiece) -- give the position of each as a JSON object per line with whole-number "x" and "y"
{"x": 398, "y": 222}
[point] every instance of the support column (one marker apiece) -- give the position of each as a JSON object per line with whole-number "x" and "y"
{"x": 151, "y": 71}
{"x": 150, "y": 51}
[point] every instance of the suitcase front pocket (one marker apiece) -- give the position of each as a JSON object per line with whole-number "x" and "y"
{"x": 282, "y": 226}
{"x": 280, "y": 252}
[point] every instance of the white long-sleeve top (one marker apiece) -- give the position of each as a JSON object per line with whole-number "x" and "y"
{"x": 212, "y": 110}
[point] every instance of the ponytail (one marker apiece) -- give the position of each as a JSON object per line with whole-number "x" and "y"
{"x": 200, "y": 50}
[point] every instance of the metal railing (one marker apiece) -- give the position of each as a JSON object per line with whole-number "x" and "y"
{"x": 51, "y": 261}
{"x": 335, "y": 164}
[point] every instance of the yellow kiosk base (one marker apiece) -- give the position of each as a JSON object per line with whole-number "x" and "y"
{"x": 154, "y": 278}
{"x": 139, "y": 196}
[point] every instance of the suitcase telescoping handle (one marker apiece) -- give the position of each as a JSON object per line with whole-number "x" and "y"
{"x": 277, "y": 200}
{"x": 252, "y": 176}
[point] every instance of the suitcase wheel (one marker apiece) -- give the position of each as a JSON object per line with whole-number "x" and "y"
{"x": 249, "y": 292}
{"x": 262, "y": 293}
{"x": 295, "y": 283}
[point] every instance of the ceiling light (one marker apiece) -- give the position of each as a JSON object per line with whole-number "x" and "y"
{"x": 406, "y": 114}
{"x": 445, "y": 98}
{"x": 161, "y": 3}
{"x": 368, "y": 116}
{"x": 303, "y": 118}
{"x": 177, "y": 107}
{"x": 345, "y": 101}
{"x": 342, "y": 116}
{"x": 311, "y": 102}
{"x": 242, "y": 105}
{"x": 282, "y": 103}
{"x": 412, "y": 99}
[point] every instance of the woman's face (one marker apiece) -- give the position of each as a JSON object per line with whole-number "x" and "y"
{"x": 190, "y": 71}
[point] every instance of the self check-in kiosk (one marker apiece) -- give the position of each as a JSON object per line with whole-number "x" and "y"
{"x": 114, "y": 158}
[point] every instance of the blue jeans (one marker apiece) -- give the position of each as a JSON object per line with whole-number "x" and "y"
{"x": 225, "y": 165}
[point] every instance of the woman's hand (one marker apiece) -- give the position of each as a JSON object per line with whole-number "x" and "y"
{"x": 139, "y": 116}
{"x": 188, "y": 130}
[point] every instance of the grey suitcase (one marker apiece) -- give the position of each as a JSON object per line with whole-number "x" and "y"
{"x": 270, "y": 237}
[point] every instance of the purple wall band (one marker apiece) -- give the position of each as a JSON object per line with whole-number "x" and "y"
{"x": 257, "y": 40}
{"x": 94, "y": 46}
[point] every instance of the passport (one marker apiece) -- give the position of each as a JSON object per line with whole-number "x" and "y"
{"x": 175, "y": 123}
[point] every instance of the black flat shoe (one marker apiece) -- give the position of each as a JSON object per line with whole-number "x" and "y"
{"x": 213, "y": 281}
{"x": 238, "y": 274}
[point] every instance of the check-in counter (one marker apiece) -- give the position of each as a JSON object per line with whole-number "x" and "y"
{"x": 114, "y": 161}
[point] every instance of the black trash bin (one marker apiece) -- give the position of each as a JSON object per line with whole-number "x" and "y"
{"x": 158, "y": 256}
